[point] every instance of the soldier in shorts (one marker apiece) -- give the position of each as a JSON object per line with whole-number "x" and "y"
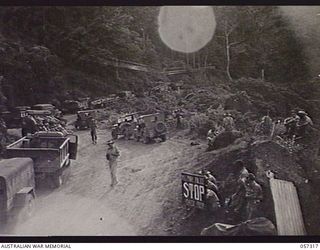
{"x": 112, "y": 156}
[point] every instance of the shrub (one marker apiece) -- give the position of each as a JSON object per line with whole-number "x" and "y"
{"x": 200, "y": 124}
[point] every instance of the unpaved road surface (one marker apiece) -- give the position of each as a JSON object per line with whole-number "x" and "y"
{"x": 80, "y": 206}
{"x": 86, "y": 204}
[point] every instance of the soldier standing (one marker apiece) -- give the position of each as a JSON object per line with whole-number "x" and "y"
{"x": 303, "y": 123}
{"x": 29, "y": 125}
{"x": 3, "y": 130}
{"x": 290, "y": 124}
{"x": 228, "y": 122}
{"x": 253, "y": 195}
{"x": 264, "y": 128}
{"x": 112, "y": 156}
{"x": 178, "y": 115}
{"x": 235, "y": 185}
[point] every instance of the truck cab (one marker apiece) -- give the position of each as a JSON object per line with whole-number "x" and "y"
{"x": 17, "y": 188}
{"x": 14, "y": 117}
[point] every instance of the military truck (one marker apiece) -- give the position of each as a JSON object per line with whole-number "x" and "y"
{"x": 51, "y": 153}
{"x": 53, "y": 110}
{"x": 84, "y": 103}
{"x": 125, "y": 126}
{"x": 98, "y": 103}
{"x": 13, "y": 118}
{"x": 17, "y": 188}
{"x": 84, "y": 118}
{"x": 150, "y": 127}
{"x": 70, "y": 106}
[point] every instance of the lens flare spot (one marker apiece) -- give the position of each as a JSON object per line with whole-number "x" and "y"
{"x": 186, "y": 28}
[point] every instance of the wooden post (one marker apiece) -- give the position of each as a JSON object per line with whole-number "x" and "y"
{"x": 205, "y": 60}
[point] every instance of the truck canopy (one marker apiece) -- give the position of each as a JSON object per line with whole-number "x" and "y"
{"x": 39, "y": 112}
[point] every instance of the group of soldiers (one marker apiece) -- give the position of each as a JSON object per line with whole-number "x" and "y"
{"x": 295, "y": 127}
{"x": 240, "y": 195}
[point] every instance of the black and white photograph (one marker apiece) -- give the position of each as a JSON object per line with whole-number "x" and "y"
{"x": 160, "y": 121}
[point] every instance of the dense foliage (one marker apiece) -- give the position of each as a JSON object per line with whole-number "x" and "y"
{"x": 53, "y": 53}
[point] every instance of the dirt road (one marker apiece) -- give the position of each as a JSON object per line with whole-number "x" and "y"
{"x": 87, "y": 205}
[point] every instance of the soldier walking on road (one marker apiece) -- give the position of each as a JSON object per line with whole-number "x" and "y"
{"x": 112, "y": 156}
{"x": 93, "y": 131}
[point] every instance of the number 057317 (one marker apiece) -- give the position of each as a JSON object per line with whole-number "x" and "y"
{"x": 307, "y": 245}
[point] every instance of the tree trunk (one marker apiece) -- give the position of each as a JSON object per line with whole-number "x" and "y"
{"x": 117, "y": 69}
{"x": 43, "y": 33}
{"x": 228, "y": 57}
{"x": 194, "y": 60}
{"x": 205, "y": 60}
{"x": 187, "y": 57}
{"x": 262, "y": 74}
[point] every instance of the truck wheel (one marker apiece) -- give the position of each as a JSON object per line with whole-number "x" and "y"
{"x": 30, "y": 206}
{"x": 114, "y": 135}
{"x": 160, "y": 127}
{"x": 27, "y": 210}
{"x": 57, "y": 180}
{"x": 163, "y": 137}
{"x": 146, "y": 140}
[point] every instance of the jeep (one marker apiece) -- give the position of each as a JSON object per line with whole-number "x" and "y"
{"x": 150, "y": 127}
{"x": 125, "y": 126}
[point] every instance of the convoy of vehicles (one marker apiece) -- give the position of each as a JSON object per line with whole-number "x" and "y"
{"x": 45, "y": 155}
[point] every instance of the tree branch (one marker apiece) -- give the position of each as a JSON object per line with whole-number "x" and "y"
{"x": 237, "y": 43}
